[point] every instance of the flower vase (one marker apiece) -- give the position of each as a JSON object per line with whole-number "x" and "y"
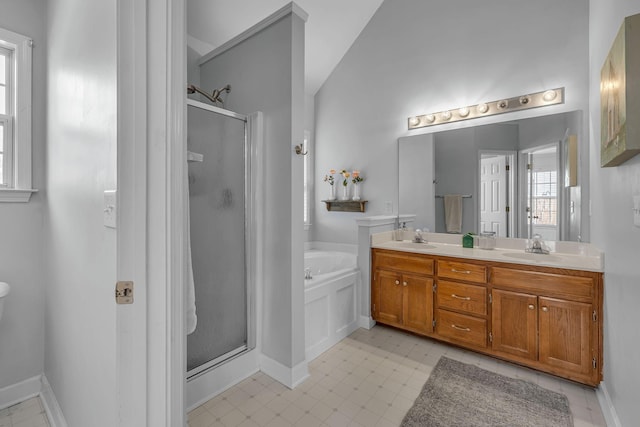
{"x": 356, "y": 193}
{"x": 345, "y": 193}
{"x": 332, "y": 192}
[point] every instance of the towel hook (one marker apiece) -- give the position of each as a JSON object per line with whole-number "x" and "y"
{"x": 299, "y": 148}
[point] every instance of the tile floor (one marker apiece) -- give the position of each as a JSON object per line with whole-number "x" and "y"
{"x": 29, "y": 413}
{"x": 369, "y": 379}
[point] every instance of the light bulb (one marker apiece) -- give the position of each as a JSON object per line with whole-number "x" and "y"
{"x": 549, "y": 95}
{"x": 502, "y": 104}
{"x": 445, "y": 115}
{"x": 430, "y": 118}
{"x": 483, "y": 108}
{"x": 414, "y": 121}
{"x": 464, "y": 111}
{"x": 525, "y": 99}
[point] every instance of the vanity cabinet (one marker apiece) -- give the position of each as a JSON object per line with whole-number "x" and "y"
{"x": 545, "y": 318}
{"x": 550, "y": 317}
{"x": 402, "y": 291}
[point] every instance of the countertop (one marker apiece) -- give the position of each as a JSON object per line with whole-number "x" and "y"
{"x": 566, "y": 255}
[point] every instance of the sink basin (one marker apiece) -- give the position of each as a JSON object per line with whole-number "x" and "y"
{"x": 533, "y": 257}
{"x": 412, "y": 245}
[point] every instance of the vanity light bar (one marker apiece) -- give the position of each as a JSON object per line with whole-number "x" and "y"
{"x": 484, "y": 109}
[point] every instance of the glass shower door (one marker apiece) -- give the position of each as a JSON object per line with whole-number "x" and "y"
{"x": 218, "y": 230}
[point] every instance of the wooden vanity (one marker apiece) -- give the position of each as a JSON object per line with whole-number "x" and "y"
{"x": 546, "y": 318}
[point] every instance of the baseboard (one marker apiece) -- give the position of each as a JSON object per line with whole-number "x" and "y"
{"x": 51, "y": 406}
{"x": 366, "y": 322}
{"x": 20, "y": 392}
{"x": 289, "y": 377}
{"x": 606, "y": 405}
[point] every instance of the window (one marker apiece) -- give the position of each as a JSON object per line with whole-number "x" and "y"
{"x": 545, "y": 198}
{"x": 15, "y": 117}
{"x": 308, "y": 179}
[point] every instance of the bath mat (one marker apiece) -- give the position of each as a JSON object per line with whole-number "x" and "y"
{"x": 458, "y": 394}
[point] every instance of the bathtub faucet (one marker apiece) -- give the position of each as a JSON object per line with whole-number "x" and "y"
{"x": 307, "y": 274}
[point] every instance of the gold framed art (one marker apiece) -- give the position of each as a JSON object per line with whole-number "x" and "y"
{"x": 620, "y": 96}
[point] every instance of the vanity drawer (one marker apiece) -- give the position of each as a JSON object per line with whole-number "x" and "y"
{"x": 462, "y": 271}
{"x": 542, "y": 283}
{"x": 462, "y": 297}
{"x": 461, "y": 328}
{"x": 403, "y": 261}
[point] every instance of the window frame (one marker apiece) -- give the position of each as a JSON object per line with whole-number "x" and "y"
{"x": 307, "y": 198}
{"x": 18, "y": 145}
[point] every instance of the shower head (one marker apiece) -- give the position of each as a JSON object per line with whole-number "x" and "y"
{"x": 214, "y": 97}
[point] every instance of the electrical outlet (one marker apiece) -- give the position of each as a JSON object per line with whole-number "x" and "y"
{"x": 110, "y": 209}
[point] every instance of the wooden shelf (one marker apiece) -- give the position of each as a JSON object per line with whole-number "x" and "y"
{"x": 346, "y": 205}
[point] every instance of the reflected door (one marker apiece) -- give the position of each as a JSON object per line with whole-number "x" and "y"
{"x": 542, "y": 192}
{"x": 493, "y": 194}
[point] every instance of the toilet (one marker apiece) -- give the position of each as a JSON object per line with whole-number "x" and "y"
{"x": 4, "y": 291}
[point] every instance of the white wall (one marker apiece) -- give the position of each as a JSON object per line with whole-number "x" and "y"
{"x": 416, "y": 57}
{"x": 81, "y": 163}
{"x": 22, "y": 324}
{"x": 266, "y": 74}
{"x": 612, "y": 228}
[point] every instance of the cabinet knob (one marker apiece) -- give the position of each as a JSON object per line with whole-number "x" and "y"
{"x": 531, "y": 306}
{"x": 545, "y": 309}
{"x": 397, "y": 282}
{"x": 404, "y": 283}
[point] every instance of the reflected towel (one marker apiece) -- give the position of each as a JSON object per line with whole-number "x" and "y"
{"x": 192, "y": 319}
{"x": 453, "y": 213}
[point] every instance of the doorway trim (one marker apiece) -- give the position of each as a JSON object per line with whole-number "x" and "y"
{"x": 151, "y": 332}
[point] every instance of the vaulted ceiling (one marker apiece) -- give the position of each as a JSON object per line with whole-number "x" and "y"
{"x": 332, "y": 27}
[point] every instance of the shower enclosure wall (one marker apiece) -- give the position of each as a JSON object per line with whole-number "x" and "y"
{"x": 221, "y": 212}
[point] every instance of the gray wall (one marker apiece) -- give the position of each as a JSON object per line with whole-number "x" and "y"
{"x": 22, "y": 324}
{"x": 612, "y": 228}
{"x": 80, "y": 313}
{"x": 416, "y": 57}
{"x": 266, "y": 73}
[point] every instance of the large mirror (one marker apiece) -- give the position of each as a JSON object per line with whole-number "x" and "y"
{"x": 515, "y": 178}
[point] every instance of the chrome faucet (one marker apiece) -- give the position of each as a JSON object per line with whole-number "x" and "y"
{"x": 537, "y": 246}
{"x": 418, "y": 238}
{"x": 307, "y": 274}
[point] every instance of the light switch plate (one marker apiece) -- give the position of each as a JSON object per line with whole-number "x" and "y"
{"x": 110, "y": 208}
{"x": 388, "y": 207}
{"x": 636, "y": 211}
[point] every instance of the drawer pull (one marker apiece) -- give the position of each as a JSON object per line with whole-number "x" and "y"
{"x": 545, "y": 309}
{"x": 531, "y": 306}
{"x": 460, "y": 271}
{"x": 397, "y": 282}
{"x": 462, "y": 298}
{"x": 460, "y": 328}
{"x": 404, "y": 283}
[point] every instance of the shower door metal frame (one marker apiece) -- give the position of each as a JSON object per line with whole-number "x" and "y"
{"x": 249, "y": 236}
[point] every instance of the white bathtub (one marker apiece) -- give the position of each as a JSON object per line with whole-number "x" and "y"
{"x": 330, "y": 299}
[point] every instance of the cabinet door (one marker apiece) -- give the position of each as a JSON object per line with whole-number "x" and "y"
{"x": 514, "y": 318}
{"x": 565, "y": 335}
{"x": 388, "y": 301}
{"x": 418, "y": 302}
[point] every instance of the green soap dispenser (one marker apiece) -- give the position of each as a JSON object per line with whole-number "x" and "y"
{"x": 467, "y": 240}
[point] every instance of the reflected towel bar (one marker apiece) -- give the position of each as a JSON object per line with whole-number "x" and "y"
{"x": 464, "y": 196}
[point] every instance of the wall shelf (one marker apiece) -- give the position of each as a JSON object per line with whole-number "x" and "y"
{"x": 346, "y": 205}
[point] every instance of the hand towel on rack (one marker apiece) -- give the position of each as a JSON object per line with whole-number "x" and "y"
{"x": 453, "y": 213}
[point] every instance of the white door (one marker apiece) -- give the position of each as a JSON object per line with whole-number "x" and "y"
{"x": 493, "y": 194}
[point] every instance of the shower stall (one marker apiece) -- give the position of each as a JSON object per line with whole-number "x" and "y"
{"x": 221, "y": 212}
